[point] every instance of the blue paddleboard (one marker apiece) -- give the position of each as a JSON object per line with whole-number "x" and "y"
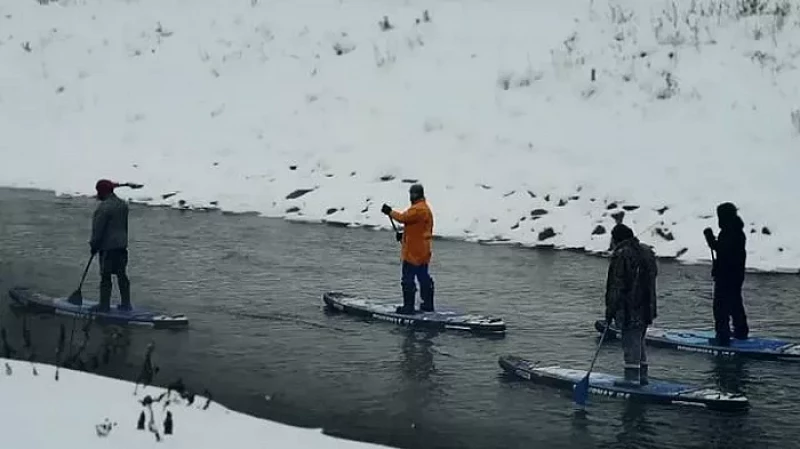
{"x": 439, "y": 319}
{"x": 138, "y": 316}
{"x": 603, "y": 384}
{"x": 698, "y": 341}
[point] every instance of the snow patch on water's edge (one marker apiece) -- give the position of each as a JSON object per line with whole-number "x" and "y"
{"x": 81, "y": 409}
{"x": 597, "y": 252}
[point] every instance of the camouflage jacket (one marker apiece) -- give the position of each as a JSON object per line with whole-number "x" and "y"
{"x": 631, "y": 285}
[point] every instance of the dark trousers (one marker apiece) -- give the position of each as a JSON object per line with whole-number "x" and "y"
{"x": 420, "y": 272}
{"x": 634, "y": 354}
{"x": 114, "y": 262}
{"x": 729, "y": 305}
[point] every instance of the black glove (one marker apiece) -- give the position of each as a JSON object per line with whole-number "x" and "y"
{"x": 93, "y": 250}
{"x": 386, "y": 209}
{"x": 709, "y": 237}
{"x": 399, "y": 236}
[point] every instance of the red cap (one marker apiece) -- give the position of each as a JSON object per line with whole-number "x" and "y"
{"x": 104, "y": 186}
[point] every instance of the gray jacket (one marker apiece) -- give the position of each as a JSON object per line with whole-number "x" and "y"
{"x": 110, "y": 225}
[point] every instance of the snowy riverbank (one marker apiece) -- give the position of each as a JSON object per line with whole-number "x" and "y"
{"x": 312, "y": 110}
{"x": 82, "y": 410}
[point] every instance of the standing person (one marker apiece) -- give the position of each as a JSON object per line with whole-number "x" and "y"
{"x": 110, "y": 242}
{"x": 728, "y": 273}
{"x": 416, "y": 250}
{"x": 631, "y": 299}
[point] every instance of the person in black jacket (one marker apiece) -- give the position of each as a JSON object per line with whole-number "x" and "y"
{"x": 728, "y": 273}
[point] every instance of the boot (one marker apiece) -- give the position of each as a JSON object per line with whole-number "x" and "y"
{"x": 741, "y": 332}
{"x": 105, "y": 296}
{"x": 631, "y": 378}
{"x": 643, "y": 379}
{"x": 408, "y": 302}
{"x": 426, "y": 295}
{"x": 124, "y": 293}
{"x": 717, "y": 341}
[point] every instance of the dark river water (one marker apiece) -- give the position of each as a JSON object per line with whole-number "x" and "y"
{"x": 261, "y": 342}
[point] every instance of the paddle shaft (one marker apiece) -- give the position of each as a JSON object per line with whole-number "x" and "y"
{"x": 581, "y": 389}
{"x": 713, "y": 262}
{"x": 394, "y": 226}
{"x": 77, "y": 294}
{"x": 86, "y": 271}
{"x": 597, "y": 352}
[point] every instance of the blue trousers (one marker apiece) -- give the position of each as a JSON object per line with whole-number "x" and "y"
{"x": 420, "y": 272}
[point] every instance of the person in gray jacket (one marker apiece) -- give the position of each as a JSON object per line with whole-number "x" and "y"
{"x": 109, "y": 242}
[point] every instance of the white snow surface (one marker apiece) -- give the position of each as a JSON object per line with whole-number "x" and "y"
{"x": 42, "y": 412}
{"x": 490, "y": 104}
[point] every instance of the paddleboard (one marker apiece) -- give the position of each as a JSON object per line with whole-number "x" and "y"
{"x": 602, "y": 384}
{"x": 698, "y": 341}
{"x": 138, "y": 316}
{"x": 439, "y": 319}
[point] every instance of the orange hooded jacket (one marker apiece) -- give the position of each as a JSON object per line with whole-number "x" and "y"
{"x": 417, "y": 234}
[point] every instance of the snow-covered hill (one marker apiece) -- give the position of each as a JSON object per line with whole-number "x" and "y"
{"x": 527, "y": 121}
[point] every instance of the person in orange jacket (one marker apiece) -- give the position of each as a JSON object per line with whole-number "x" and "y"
{"x": 416, "y": 250}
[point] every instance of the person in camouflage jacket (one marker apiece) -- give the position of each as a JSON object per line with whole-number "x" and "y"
{"x": 631, "y": 298}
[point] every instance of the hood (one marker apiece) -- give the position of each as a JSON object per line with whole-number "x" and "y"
{"x": 732, "y": 222}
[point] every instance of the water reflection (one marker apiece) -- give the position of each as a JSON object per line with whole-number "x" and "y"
{"x": 415, "y": 391}
{"x": 731, "y": 374}
{"x": 636, "y": 429}
{"x": 581, "y": 435}
{"x": 728, "y": 430}
{"x": 417, "y": 362}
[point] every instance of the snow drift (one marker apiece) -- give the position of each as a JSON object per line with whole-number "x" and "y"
{"x": 82, "y": 410}
{"x": 533, "y": 122}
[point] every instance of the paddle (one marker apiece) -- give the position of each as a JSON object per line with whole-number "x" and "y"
{"x": 77, "y": 297}
{"x": 131, "y": 185}
{"x": 711, "y": 242}
{"x": 581, "y": 392}
{"x": 394, "y": 226}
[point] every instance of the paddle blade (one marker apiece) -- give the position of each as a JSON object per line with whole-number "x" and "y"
{"x": 76, "y": 297}
{"x": 581, "y": 392}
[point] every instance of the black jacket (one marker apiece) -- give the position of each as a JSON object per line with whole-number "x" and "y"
{"x": 731, "y": 258}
